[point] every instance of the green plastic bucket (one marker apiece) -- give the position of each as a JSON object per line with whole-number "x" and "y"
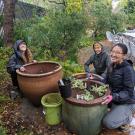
{"x": 52, "y": 107}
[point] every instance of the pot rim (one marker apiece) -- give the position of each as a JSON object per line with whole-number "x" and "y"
{"x": 56, "y": 104}
{"x": 79, "y": 74}
{"x": 93, "y": 102}
{"x": 39, "y": 75}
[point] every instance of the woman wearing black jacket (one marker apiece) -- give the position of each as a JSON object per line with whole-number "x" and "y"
{"x": 120, "y": 77}
{"x": 100, "y": 60}
{"x": 22, "y": 55}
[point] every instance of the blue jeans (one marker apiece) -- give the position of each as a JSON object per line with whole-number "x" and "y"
{"x": 119, "y": 115}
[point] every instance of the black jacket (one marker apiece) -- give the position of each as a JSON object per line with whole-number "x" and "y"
{"x": 99, "y": 61}
{"x": 121, "y": 82}
{"x": 16, "y": 60}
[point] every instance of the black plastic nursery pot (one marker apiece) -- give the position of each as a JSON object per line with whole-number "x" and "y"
{"x": 65, "y": 89}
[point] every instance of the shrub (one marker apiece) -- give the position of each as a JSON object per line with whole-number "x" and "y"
{"x": 70, "y": 68}
{"x": 5, "y": 53}
{"x": 3, "y": 131}
{"x": 57, "y": 32}
{"x": 102, "y": 18}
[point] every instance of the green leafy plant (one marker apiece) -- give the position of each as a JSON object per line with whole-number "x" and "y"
{"x": 102, "y": 19}
{"x": 76, "y": 83}
{"x": 58, "y": 32}
{"x": 4, "y": 98}
{"x": 71, "y": 67}
{"x": 5, "y": 53}
{"x": 100, "y": 90}
{"x": 87, "y": 95}
{"x": 3, "y": 130}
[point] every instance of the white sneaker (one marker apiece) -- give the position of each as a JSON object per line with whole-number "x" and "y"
{"x": 14, "y": 95}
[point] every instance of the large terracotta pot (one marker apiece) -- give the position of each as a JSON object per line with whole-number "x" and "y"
{"x": 38, "y": 79}
{"x": 84, "y": 117}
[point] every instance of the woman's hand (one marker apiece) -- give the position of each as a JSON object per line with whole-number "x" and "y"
{"x": 22, "y": 69}
{"x": 107, "y": 99}
{"x": 34, "y": 61}
{"x": 89, "y": 76}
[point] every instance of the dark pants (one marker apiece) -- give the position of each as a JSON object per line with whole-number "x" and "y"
{"x": 15, "y": 85}
{"x": 14, "y": 79}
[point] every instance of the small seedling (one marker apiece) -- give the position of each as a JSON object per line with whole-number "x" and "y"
{"x": 100, "y": 90}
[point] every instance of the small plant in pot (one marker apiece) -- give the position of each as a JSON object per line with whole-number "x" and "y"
{"x": 85, "y": 90}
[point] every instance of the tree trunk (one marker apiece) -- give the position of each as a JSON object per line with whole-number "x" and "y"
{"x": 9, "y": 8}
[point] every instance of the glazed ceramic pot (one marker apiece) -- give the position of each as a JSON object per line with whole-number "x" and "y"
{"x": 84, "y": 117}
{"x": 39, "y": 79}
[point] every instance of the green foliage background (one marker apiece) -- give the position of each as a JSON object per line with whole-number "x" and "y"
{"x": 102, "y": 19}
{"x": 58, "y": 33}
{"x": 3, "y": 131}
{"x": 129, "y": 9}
{"x": 61, "y": 33}
{"x": 5, "y": 53}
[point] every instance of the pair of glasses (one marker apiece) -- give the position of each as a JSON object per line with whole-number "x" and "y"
{"x": 116, "y": 52}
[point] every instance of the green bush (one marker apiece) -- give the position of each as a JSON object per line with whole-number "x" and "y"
{"x": 85, "y": 41}
{"x": 131, "y": 20}
{"x": 118, "y": 22}
{"x": 130, "y": 7}
{"x": 3, "y": 131}
{"x": 4, "y": 98}
{"x": 57, "y": 32}
{"x": 71, "y": 67}
{"x": 5, "y": 53}
{"x": 102, "y": 18}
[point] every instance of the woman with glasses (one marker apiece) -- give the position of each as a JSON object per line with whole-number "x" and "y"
{"x": 120, "y": 77}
